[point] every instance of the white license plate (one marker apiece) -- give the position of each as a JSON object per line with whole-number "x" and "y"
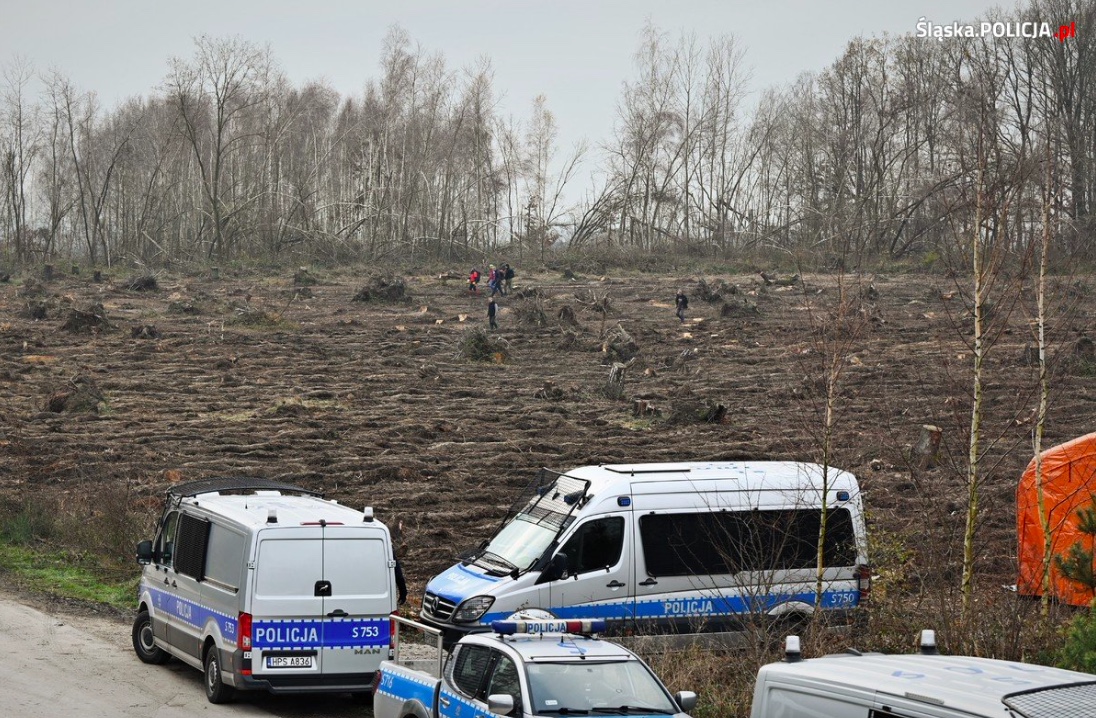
{"x": 289, "y": 661}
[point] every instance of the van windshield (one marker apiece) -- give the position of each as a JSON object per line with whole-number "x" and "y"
{"x": 522, "y": 540}
{"x": 518, "y": 545}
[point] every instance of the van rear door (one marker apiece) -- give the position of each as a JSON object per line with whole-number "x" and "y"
{"x": 357, "y": 629}
{"x": 287, "y": 604}
{"x": 322, "y": 601}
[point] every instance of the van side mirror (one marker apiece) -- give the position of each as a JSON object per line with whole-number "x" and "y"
{"x": 144, "y": 552}
{"x": 686, "y": 700}
{"x": 556, "y": 569}
{"x": 500, "y": 704}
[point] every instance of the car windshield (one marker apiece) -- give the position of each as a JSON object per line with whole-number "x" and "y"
{"x": 607, "y": 688}
{"x": 517, "y": 545}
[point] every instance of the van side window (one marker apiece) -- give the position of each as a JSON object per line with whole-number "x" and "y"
{"x": 225, "y": 557}
{"x": 595, "y": 545}
{"x": 190, "y": 546}
{"x": 164, "y": 551}
{"x": 732, "y": 541}
{"x": 468, "y": 667}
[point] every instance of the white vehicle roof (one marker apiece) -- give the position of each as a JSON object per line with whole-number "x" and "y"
{"x": 976, "y": 686}
{"x": 254, "y": 509}
{"x": 791, "y": 477}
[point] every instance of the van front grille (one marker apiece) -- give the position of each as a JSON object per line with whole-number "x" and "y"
{"x": 437, "y": 607}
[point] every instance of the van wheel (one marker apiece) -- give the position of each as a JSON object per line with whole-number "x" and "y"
{"x": 143, "y": 643}
{"x": 215, "y": 689}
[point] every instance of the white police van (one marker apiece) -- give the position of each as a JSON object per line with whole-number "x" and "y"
{"x": 675, "y": 548}
{"x": 266, "y": 586}
{"x": 526, "y": 667}
{"x": 875, "y": 685}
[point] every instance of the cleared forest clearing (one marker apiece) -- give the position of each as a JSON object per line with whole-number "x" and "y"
{"x": 113, "y": 390}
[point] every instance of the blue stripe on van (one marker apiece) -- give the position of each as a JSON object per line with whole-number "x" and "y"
{"x": 317, "y": 633}
{"x": 693, "y": 606}
{"x": 191, "y": 613}
{"x": 302, "y": 633}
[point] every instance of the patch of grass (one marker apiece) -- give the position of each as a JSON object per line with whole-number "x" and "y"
{"x": 64, "y": 574}
{"x": 31, "y": 522}
{"x": 258, "y": 319}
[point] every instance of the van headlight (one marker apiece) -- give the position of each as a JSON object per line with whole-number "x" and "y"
{"x": 472, "y": 609}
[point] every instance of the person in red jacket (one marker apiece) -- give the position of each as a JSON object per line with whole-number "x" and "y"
{"x": 473, "y": 280}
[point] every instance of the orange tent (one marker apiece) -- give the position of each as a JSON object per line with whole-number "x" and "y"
{"x": 1069, "y": 484}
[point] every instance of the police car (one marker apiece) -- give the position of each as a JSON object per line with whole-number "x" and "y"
{"x": 528, "y": 666}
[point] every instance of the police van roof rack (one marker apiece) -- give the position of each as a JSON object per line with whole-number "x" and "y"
{"x": 648, "y": 469}
{"x": 238, "y": 485}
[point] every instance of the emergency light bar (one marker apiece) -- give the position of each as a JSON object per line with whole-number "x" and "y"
{"x": 584, "y": 626}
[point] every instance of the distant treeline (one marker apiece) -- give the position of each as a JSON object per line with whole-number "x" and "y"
{"x": 896, "y": 151}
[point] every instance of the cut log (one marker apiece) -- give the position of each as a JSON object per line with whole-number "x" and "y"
{"x": 927, "y": 450}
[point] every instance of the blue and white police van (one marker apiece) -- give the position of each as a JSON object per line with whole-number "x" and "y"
{"x": 529, "y": 667}
{"x": 672, "y": 548}
{"x": 263, "y": 585}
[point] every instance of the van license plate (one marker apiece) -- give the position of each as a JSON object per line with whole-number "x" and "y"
{"x": 289, "y": 661}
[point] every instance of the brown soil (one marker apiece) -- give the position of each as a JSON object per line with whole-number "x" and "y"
{"x": 373, "y": 402}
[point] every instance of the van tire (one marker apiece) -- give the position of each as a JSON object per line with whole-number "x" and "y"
{"x": 143, "y": 644}
{"x": 215, "y": 689}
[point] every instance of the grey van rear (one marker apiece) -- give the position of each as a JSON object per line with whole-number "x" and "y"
{"x": 266, "y": 586}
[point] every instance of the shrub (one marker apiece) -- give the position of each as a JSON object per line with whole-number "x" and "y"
{"x": 1079, "y": 651}
{"x": 478, "y": 345}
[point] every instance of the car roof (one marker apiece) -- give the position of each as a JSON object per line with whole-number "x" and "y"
{"x": 550, "y": 648}
{"x": 965, "y": 683}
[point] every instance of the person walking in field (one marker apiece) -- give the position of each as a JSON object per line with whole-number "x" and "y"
{"x": 492, "y": 309}
{"x": 508, "y": 278}
{"x": 473, "y": 281}
{"x": 682, "y": 303}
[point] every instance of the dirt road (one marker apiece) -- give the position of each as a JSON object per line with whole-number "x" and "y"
{"x": 64, "y": 665}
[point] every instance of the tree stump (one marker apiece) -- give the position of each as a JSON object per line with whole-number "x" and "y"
{"x": 47, "y": 272}
{"x": 567, "y": 315}
{"x": 215, "y": 273}
{"x": 614, "y": 387}
{"x": 926, "y": 451}
{"x": 97, "y": 276}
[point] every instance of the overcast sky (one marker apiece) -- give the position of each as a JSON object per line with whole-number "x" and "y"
{"x": 576, "y": 52}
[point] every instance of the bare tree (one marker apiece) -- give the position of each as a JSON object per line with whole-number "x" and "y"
{"x": 20, "y": 137}
{"x": 214, "y": 95}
